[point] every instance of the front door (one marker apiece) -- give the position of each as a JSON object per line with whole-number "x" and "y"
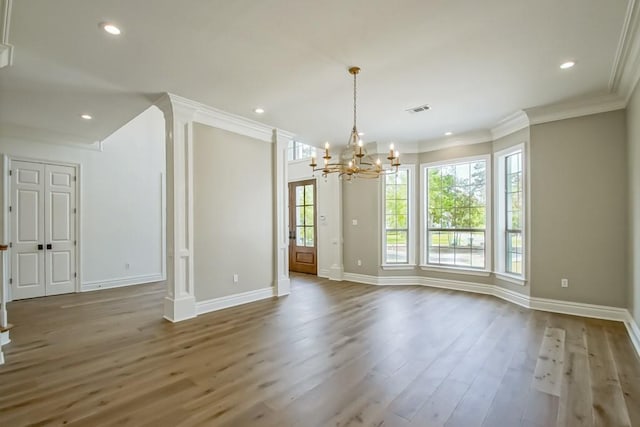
{"x": 302, "y": 227}
{"x": 43, "y": 229}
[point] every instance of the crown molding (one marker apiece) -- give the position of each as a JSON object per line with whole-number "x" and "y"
{"x": 576, "y": 108}
{"x": 626, "y": 66}
{"x": 202, "y": 113}
{"x": 283, "y": 134}
{"x": 467, "y": 138}
{"x": 510, "y": 124}
{"x": 6, "y": 49}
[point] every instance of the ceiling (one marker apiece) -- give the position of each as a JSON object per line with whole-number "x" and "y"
{"x": 474, "y": 62}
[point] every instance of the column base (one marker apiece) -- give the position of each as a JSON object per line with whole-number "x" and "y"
{"x": 179, "y": 309}
{"x": 283, "y": 287}
{"x": 336, "y": 273}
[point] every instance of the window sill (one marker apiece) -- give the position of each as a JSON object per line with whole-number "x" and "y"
{"x": 516, "y": 280}
{"x": 398, "y": 266}
{"x": 456, "y": 270}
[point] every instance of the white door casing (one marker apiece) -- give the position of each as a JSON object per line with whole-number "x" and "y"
{"x": 43, "y": 231}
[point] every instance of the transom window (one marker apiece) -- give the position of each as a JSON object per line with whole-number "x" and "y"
{"x": 299, "y": 150}
{"x": 456, "y": 214}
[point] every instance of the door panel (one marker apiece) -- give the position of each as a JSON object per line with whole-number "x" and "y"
{"x": 43, "y": 230}
{"x": 27, "y": 223}
{"x": 60, "y": 229}
{"x": 302, "y": 227}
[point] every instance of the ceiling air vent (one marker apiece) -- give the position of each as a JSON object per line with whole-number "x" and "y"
{"x": 419, "y": 109}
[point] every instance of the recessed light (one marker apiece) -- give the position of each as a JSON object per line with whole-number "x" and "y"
{"x": 258, "y": 110}
{"x": 110, "y": 28}
{"x": 448, "y": 133}
{"x": 360, "y": 133}
{"x": 86, "y": 116}
{"x": 567, "y": 65}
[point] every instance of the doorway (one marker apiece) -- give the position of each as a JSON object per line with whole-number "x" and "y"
{"x": 43, "y": 229}
{"x": 302, "y": 227}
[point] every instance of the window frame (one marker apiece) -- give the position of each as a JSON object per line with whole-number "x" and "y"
{"x": 424, "y": 205}
{"x": 499, "y": 159}
{"x": 411, "y": 223}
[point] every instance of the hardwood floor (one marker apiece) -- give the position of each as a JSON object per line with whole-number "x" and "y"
{"x": 330, "y": 354}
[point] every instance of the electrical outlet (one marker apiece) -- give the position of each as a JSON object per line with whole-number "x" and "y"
{"x": 354, "y": 221}
{"x": 564, "y": 283}
{"x": 359, "y": 262}
{"x": 235, "y": 278}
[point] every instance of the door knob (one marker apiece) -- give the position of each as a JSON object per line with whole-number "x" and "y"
{"x": 48, "y": 245}
{"x": 40, "y": 247}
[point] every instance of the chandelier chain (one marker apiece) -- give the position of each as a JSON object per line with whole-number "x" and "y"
{"x": 355, "y": 92}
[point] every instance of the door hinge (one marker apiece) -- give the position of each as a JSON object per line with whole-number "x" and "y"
{"x": 75, "y": 242}
{"x": 75, "y": 210}
{"x": 10, "y": 172}
{"x": 75, "y": 274}
{"x": 10, "y": 281}
{"x": 9, "y": 208}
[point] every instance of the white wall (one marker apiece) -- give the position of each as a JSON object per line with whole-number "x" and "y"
{"x": 121, "y": 200}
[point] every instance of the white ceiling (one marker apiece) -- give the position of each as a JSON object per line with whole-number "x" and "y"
{"x": 474, "y": 62}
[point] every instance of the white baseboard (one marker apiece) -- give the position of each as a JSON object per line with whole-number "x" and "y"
{"x": 541, "y": 304}
{"x": 579, "y": 309}
{"x": 122, "y": 281}
{"x": 215, "y": 304}
{"x": 634, "y": 332}
{"x": 323, "y": 272}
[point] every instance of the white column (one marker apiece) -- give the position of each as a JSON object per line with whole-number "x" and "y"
{"x": 281, "y": 193}
{"x": 336, "y": 271}
{"x": 180, "y": 302}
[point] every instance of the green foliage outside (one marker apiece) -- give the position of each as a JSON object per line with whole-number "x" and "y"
{"x": 457, "y": 196}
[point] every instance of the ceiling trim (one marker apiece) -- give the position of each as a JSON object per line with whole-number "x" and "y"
{"x": 576, "y": 108}
{"x": 220, "y": 119}
{"x": 467, "y": 138}
{"x": 626, "y": 66}
{"x": 510, "y": 124}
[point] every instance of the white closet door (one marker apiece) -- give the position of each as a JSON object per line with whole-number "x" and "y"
{"x": 27, "y": 225}
{"x": 59, "y": 214}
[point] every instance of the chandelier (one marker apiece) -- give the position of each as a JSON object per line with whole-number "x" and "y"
{"x": 354, "y": 162}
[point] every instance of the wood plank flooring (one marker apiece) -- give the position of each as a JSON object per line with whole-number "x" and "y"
{"x": 330, "y": 354}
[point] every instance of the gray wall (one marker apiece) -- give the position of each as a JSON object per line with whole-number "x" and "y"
{"x": 361, "y": 202}
{"x": 633, "y": 129}
{"x": 576, "y": 215}
{"x": 233, "y": 211}
{"x": 579, "y": 209}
